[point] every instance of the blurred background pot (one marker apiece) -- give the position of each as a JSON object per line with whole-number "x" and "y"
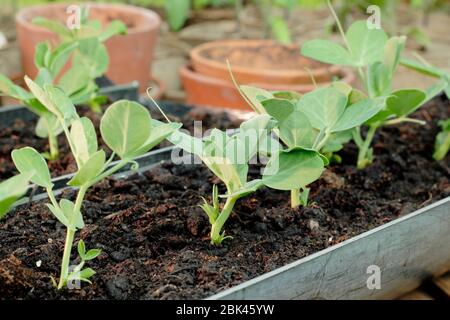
{"x": 259, "y": 61}
{"x": 130, "y": 55}
{"x": 204, "y": 90}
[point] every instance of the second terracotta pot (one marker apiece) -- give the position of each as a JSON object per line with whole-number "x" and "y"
{"x": 259, "y": 61}
{"x": 130, "y": 55}
{"x": 204, "y": 90}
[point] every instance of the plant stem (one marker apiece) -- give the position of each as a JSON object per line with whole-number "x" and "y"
{"x": 216, "y": 236}
{"x": 54, "y": 149}
{"x": 69, "y": 240}
{"x": 110, "y": 171}
{"x": 295, "y": 198}
{"x": 362, "y": 154}
{"x": 323, "y": 141}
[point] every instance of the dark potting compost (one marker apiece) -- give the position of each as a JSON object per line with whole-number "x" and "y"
{"x": 154, "y": 237}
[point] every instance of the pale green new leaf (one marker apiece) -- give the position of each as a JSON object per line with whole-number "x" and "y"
{"x": 9, "y": 88}
{"x": 74, "y": 217}
{"x": 125, "y": 127}
{"x": 328, "y": 52}
{"x": 59, "y": 214}
{"x": 366, "y": 45}
{"x": 293, "y": 169}
{"x": 358, "y": 113}
{"x": 442, "y": 143}
{"x": 91, "y": 169}
{"x": 158, "y": 133}
{"x": 323, "y": 107}
{"x": 48, "y": 125}
{"x": 28, "y": 160}
{"x": 52, "y": 25}
{"x": 84, "y": 139}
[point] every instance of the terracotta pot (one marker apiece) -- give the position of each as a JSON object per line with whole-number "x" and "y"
{"x": 260, "y": 61}
{"x": 204, "y": 90}
{"x": 130, "y": 55}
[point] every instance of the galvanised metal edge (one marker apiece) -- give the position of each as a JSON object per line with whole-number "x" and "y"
{"x": 405, "y": 252}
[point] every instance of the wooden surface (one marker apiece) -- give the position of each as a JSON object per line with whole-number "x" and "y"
{"x": 435, "y": 289}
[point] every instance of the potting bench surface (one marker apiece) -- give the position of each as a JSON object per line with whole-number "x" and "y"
{"x": 436, "y": 289}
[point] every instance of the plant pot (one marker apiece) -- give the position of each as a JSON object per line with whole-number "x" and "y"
{"x": 130, "y": 55}
{"x": 407, "y": 250}
{"x": 259, "y": 61}
{"x": 204, "y": 90}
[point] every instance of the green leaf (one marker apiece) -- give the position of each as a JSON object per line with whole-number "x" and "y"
{"x": 74, "y": 217}
{"x": 125, "y": 127}
{"x": 84, "y": 139}
{"x": 12, "y": 90}
{"x": 177, "y": 12}
{"x": 91, "y": 169}
{"x": 11, "y": 190}
{"x": 158, "y": 133}
{"x": 279, "y": 109}
{"x": 328, "y": 52}
{"x": 404, "y": 102}
{"x": 42, "y": 55}
{"x": 92, "y": 55}
{"x": 366, "y": 45}
{"x": 43, "y": 77}
{"x": 114, "y": 28}
{"x": 92, "y": 254}
{"x": 48, "y": 125}
{"x": 81, "y": 248}
{"x": 293, "y": 169}
{"x": 379, "y": 79}
{"x": 442, "y": 143}
{"x": 74, "y": 80}
{"x": 358, "y": 113}
{"x": 53, "y": 26}
{"x": 323, "y": 107}
{"x": 85, "y": 274}
{"x": 392, "y": 52}
{"x": 60, "y": 56}
{"x": 28, "y": 160}
{"x": 59, "y": 214}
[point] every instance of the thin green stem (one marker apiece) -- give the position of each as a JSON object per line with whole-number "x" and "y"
{"x": 363, "y": 160}
{"x": 216, "y": 236}
{"x": 323, "y": 141}
{"x": 54, "y": 148}
{"x": 52, "y": 198}
{"x": 110, "y": 171}
{"x": 405, "y": 119}
{"x": 69, "y": 240}
{"x": 295, "y": 198}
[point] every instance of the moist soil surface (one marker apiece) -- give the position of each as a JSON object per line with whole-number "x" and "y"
{"x": 154, "y": 236}
{"x": 22, "y": 134}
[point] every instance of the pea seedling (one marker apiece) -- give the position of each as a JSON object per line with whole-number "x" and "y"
{"x": 442, "y": 144}
{"x": 317, "y": 121}
{"x": 127, "y": 129}
{"x": 90, "y": 59}
{"x": 376, "y": 58}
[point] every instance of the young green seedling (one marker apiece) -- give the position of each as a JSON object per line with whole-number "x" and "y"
{"x": 49, "y": 64}
{"x": 12, "y": 190}
{"x": 376, "y": 57}
{"x": 127, "y": 129}
{"x": 442, "y": 144}
{"x": 317, "y": 121}
{"x": 90, "y": 59}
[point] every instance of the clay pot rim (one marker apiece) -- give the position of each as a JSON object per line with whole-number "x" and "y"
{"x": 186, "y": 70}
{"x": 195, "y": 55}
{"x": 152, "y": 19}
